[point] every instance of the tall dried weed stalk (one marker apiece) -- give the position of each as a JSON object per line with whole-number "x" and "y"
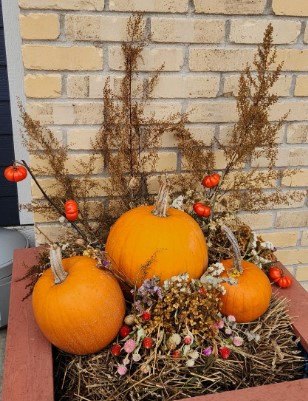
{"x": 130, "y": 135}
{"x": 128, "y": 141}
{"x": 251, "y": 181}
{"x": 127, "y": 145}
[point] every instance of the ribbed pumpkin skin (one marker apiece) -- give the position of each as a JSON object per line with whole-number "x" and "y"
{"x": 84, "y": 313}
{"x": 176, "y": 242}
{"x": 250, "y": 297}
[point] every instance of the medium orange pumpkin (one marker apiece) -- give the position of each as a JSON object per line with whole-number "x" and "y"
{"x": 80, "y": 308}
{"x": 250, "y": 297}
{"x": 155, "y": 240}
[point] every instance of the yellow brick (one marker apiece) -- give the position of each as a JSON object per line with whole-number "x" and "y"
{"x": 159, "y": 6}
{"x": 287, "y": 7}
{"x": 172, "y": 57}
{"x": 206, "y": 134}
{"x": 168, "y": 140}
{"x": 280, "y": 88}
{"x": 92, "y": 206}
{"x": 49, "y": 185}
{"x": 67, "y": 113}
{"x": 230, "y": 6}
{"x": 38, "y": 57}
{"x": 80, "y": 138}
{"x": 161, "y": 110}
{"x": 299, "y": 179}
{"x": 39, "y": 26}
{"x": 252, "y": 30}
{"x": 57, "y": 135}
{"x": 201, "y": 59}
{"x": 257, "y": 221}
{"x": 297, "y": 133}
{"x": 174, "y": 86}
{"x": 298, "y": 202}
{"x": 97, "y": 5}
{"x": 216, "y": 111}
{"x": 304, "y": 241}
{"x": 44, "y": 233}
{"x": 220, "y": 161}
{"x": 296, "y": 111}
{"x": 292, "y": 256}
{"x": 97, "y": 83}
{"x": 293, "y": 59}
{"x": 77, "y": 86}
{"x": 203, "y": 133}
{"x": 281, "y": 239}
{"x": 292, "y": 219}
{"x": 43, "y": 86}
{"x": 72, "y": 164}
{"x": 92, "y": 86}
{"x": 96, "y": 27}
{"x": 301, "y": 273}
{"x": 225, "y": 132}
{"x": 185, "y": 30}
{"x": 154, "y": 182}
{"x": 167, "y": 161}
{"x": 286, "y": 157}
{"x": 44, "y": 218}
{"x": 301, "y": 86}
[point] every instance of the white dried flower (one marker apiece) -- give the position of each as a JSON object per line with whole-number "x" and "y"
{"x": 136, "y": 357}
{"x": 193, "y": 354}
{"x": 173, "y": 341}
{"x": 129, "y": 320}
{"x": 190, "y": 363}
{"x": 178, "y": 202}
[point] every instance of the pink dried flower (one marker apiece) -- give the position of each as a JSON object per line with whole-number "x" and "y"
{"x": 136, "y": 357}
{"x": 187, "y": 340}
{"x": 228, "y": 331}
{"x": 238, "y": 341}
{"x": 207, "y": 351}
{"x": 122, "y": 370}
{"x": 224, "y": 352}
{"x": 231, "y": 318}
{"x": 220, "y": 324}
{"x": 129, "y": 345}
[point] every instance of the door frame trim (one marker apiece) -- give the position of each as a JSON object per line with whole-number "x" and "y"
{"x": 12, "y": 37}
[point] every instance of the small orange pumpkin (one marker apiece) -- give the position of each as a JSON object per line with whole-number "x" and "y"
{"x": 78, "y": 307}
{"x": 155, "y": 240}
{"x": 250, "y": 297}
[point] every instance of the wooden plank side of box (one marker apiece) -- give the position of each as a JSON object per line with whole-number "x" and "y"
{"x": 28, "y": 371}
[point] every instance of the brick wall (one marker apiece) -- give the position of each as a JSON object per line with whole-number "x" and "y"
{"x": 71, "y": 46}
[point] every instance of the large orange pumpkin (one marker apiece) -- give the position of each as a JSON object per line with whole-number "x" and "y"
{"x": 79, "y": 309}
{"x": 156, "y": 240}
{"x": 250, "y": 297}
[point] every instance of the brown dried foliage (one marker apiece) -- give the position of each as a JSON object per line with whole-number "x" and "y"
{"x": 253, "y": 187}
{"x": 42, "y": 142}
{"x": 127, "y": 143}
{"x": 129, "y": 139}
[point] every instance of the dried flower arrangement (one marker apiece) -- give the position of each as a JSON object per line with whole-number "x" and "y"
{"x": 174, "y": 341}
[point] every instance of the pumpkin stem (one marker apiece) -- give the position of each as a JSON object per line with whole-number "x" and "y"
{"x": 161, "y": 204}
{"x": 59, "y": 274}
{"x": 236, "y": 249}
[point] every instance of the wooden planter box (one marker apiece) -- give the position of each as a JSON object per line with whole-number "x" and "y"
{"x": 28, "y": 374}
